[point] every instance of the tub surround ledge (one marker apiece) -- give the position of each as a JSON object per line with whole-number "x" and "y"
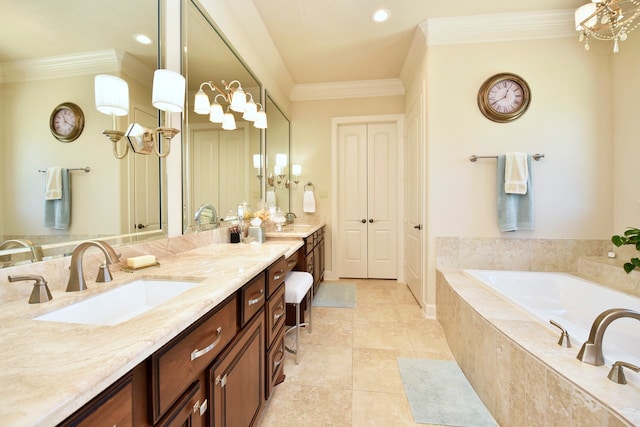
{"x": 517, "y": 368}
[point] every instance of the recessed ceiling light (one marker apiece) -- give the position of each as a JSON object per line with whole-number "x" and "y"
{"x": 141, "y": 38}
{"x": 380, "y": 15}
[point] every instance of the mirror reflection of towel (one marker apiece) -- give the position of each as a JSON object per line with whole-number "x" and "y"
{"x": 57, "y": 213}
{"x": 308, "y": 202}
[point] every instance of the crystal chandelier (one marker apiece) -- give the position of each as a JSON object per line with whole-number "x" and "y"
{"x": 607, "y": 20}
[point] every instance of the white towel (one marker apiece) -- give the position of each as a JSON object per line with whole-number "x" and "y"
{"x": 53, "y": 188}
{"x": 308, "y": 202}
{"x": 516, "y": 173}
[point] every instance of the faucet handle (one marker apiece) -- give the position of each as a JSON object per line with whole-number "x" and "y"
{"x": 564, "y": 340}
{"x": 40, "y": 292}
{"x": 616, "y": 374}
{"x": 104, "y": 274}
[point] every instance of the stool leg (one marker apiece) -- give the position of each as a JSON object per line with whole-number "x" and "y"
{"x": 297, "y": 331}
{"x": 310, "y": 306}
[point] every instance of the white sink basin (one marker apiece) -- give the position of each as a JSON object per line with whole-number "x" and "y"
{"x": 120, "y": 304}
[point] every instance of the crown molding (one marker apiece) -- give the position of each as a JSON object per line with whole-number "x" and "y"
{"x": 549, "y": 24}
{"x": 351, "y": 89}
{"x": 100, "y": 61}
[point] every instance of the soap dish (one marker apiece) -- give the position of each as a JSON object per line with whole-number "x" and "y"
{"x": 128, "y": 269}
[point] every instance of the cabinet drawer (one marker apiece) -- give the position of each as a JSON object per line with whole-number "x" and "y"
{"x": 178, "y": 364}
{"x": 310, "y": 243}
{"x": 275, "y": 363}
{"x": 275, "y": 275}
{"x": 190, "y": 410}
{"x": 112, "y": 407}
{"x": 252, "y": 298}
{"x": 275, "y": 315}
{"x": 292, "y": 261}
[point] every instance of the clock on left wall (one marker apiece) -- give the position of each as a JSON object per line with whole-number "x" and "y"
{"x": 66, "y": 122}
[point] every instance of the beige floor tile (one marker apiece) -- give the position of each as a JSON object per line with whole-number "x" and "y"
{"x": 381, "y": 409}
{"x": 377, "y": 370}
{"x": 386, "y": 335}
{"x": 321, "y": 365}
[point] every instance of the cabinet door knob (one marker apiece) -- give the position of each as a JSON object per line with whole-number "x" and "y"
{"x": 364, "y": 221}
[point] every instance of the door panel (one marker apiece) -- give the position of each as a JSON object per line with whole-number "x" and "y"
{"x": 146, "y": 184}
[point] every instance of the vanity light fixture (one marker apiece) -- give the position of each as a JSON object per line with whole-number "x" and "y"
{"x": 238, "y": 100}
{"x": 112, "y": 97}
{"x": 296, "y": 171}
{"x": 257, "y": 164}
{"x": 608, "y": 20}
{"x": 278, "y": 178}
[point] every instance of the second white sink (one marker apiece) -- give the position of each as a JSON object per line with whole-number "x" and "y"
{"x": 120, "y": 304}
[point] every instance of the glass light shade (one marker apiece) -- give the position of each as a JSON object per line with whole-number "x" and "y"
{"x": 228, "y": 122}
{"x": 296, "y": 170}
{"x": 250, "y": 111}
{"x": 261, "y": 120}
{"x": 140, "y": 139}
{"x": 112, "y": 95}
{"x": 168, "y": 91}
{"x": 201, "y": 104}
{"x": 257, "y": 161}
{"x": 238, "y": 100}
{"x": 584, "y": 12}
{"x": 281, "y": 160}
{"x": 277, "y": 170}
{"x": 217, "y": 114}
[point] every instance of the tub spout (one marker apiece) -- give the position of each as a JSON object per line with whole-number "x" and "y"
{"x": 591, "y": 350}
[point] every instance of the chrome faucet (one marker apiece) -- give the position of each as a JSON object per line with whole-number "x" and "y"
{"x": 591, "y": 350}
{"x": 290, "y": 217}
{"x": 76, "y": 278}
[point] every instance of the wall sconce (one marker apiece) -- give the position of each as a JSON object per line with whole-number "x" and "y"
{"x": 257, "y": 164}
{"x": 112, "y": 97}
{"x": 296, "y": 171}
{"x": 278, "y": 178}
{"x": 236, "y": 97}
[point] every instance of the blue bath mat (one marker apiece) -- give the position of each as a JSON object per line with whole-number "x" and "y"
{"x": 439, "y": 393}
{"x": 336, "y": 295}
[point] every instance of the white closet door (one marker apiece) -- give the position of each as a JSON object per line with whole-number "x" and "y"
{"x": 352, "y": 181}
{"x": 367, "y": 235}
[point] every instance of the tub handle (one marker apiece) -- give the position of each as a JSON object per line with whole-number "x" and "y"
{"x": 564, "y": 340}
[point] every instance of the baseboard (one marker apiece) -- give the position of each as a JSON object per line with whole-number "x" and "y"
{"x": 430, "y": 311}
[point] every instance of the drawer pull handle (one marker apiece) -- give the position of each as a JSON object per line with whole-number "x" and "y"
{"x": 276, "y": 316}
{"x": 221, "y": 381}
{"x": 202, "y": 407}
{"x": 292, "y": 262}
{"x": 278, "y": 275}
{"x": 197, "y": 353}
{"x": 257, "y": 299}
{"x": 277, "y": 363}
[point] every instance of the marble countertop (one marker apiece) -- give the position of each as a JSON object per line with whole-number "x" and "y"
{"x": 51, "y": 369}
{"x": 295, "y": 230}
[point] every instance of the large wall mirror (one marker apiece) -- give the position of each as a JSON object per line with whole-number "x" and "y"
{"x": 278, "y": 162}
{"x": 52, "y": 52}
{"x": 218, "y": 168}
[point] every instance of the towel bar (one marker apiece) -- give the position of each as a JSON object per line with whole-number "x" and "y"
{"x": 87, "y": 169}
{"x": 473, "y": 157}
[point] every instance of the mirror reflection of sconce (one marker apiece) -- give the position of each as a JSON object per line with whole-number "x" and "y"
{"x": 112, "y": 98}
{"x": 236, "y": 97}
{"x": 257, "y": 164}
{"x": 296, "y": 171}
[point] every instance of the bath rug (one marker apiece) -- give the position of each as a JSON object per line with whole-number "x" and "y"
{"x": 439, "y": 393}
{"x": 335, "y": 294}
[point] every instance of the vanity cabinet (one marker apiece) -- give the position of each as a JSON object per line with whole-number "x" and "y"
{"x": 274, "y": 319}
{"x": 112, "y": 407}
{"x": 310, "y": 259}
{"x": 236, "y": 380}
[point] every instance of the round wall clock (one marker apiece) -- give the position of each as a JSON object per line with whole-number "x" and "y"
{"x": 66, "y": 122}
{"x": 504, "y": 97}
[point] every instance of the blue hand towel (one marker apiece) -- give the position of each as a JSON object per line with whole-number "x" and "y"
{"x": 515, "y": 211}
{"x": 57, "y": 213}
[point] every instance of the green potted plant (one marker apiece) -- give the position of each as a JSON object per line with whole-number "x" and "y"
{"x": 630, "y": 237}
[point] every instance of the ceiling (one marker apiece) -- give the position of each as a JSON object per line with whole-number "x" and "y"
{"x": 335, "y": 40}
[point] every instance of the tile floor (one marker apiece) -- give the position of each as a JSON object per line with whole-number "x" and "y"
{"x": 348, "y": 374}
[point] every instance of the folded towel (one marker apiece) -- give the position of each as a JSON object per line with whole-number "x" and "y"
{"x": 516, "y": 173}
{"x": 57, "y": 213}
{"x": 515, "y": 211}
{"x": 53, "y": 188}
{"x": 308, "y": 202}
{"x": 271, "y": 198}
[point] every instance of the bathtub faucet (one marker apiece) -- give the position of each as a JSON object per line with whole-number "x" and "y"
{"x": 591, "y": 351}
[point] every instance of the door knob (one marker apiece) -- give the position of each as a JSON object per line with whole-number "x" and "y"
{"x": 418, "y": 227}
{"x": 364, "y": 221}
{"x": 140, "y": 226}
{"x": 370, "y": 219}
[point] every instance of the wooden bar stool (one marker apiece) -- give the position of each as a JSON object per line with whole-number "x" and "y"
{"x": 297, "y": 284}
